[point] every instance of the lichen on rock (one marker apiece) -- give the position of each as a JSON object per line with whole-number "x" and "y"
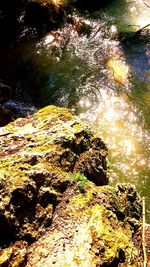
{"x": 53, "y": 209}
{"x": 87, "y": 232}
{"x": 36, "y": 155}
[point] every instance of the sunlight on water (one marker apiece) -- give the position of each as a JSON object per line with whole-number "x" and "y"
{"x": 130, "y": 14}
{"x": 116, "y": 121}
{"x": 119, "y": 121}
{"x": 106, "y": 83}
{"x": 139, "y": 11}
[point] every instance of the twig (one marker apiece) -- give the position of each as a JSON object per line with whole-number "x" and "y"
{"x": 137, "y": 32}
{"x": 143, "y": 235}
{"x": 4, "y": 134}
{"x": 147, "y": 5}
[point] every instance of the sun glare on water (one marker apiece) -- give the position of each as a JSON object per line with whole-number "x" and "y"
{"x": 117, "y": 124}
{"x": 139, "y": 13}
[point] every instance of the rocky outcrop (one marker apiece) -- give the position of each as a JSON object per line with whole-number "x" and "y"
{"x": 90, "y": 229}
{"x": 37, "y": 156}
{"x": 53, "y": 211}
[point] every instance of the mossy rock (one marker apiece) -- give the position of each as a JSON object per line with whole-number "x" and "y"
{"x": 86, "y": 232}
{"x": 54, "y": 207}
{"x": 37, "y": 156}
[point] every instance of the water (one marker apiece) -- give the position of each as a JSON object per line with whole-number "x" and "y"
{"x": 82, "y": 80}
{"x": 104, "y": 78}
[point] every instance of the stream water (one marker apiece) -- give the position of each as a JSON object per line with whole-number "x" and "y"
{"x": 82, "y": 75}
{"x": 81, "y": 80}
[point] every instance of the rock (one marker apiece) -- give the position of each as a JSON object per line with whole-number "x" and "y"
{"x": 80, "y": 26}
{"x": 15, "y": 255}
{"x": 39, "y": 16}
{"x": 18, "y": 109}
{"x": 37, "y": 155}
{"x": 86, "y": 231}
{"x": 137, "y": 37}
{"x": 51, "y": 168}
{"x": 120, "y": 71}
{"x": 11, "y": 110}
{"x": 8, "y": 20}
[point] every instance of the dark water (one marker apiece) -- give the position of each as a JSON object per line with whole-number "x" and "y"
{"x": 104, "y": 78}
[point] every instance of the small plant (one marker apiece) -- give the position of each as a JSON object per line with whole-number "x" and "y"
{"x": 80, "y": 180}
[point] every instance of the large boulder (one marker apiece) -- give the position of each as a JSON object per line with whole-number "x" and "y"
{"x": 37, "y": 156}
{"x": 91, "y": 229}
{"x": 53, "y": 209}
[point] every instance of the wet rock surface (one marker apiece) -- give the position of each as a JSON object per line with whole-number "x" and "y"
{"x": 53, "y": 211}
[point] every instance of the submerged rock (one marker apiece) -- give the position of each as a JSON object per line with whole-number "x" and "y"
{"x": 120, "y": 71}
{"x": 52, "y": 210}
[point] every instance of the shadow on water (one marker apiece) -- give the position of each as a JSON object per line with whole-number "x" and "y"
{"x": 136, "y": 49}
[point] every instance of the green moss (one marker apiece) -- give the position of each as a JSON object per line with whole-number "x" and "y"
{"x": 83, "y": 201}
{"x": 77, "y": 127}
{"x": 112, "y": 234}
{"x": 56, "y": 112}
{"x": 80, "y": 180}
{"x": 108, "y": 236}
